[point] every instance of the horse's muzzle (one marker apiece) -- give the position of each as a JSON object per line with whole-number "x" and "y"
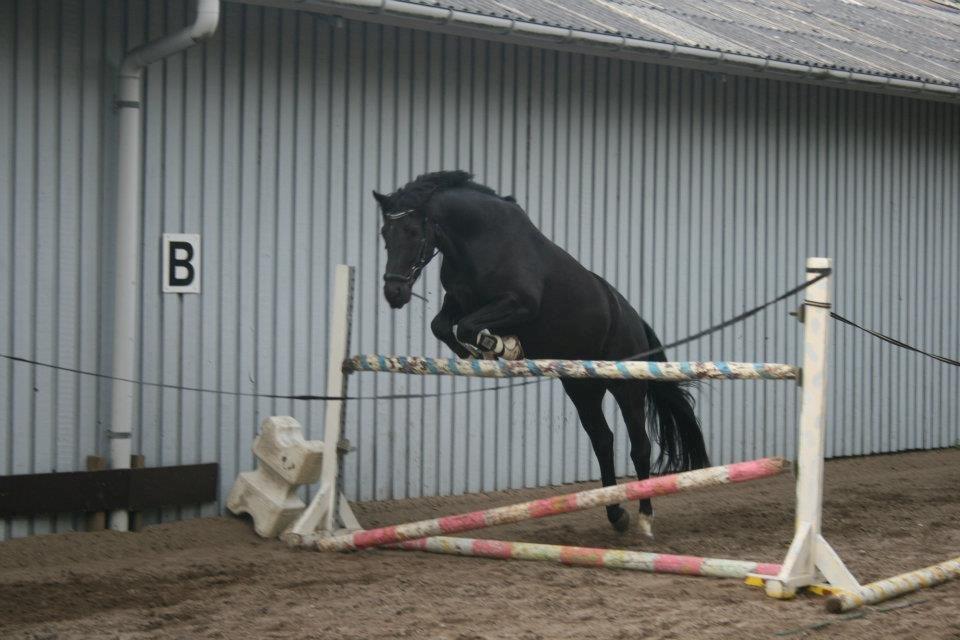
{"x": 397, "y": 293}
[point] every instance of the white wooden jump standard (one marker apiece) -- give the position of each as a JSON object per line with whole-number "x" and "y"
{"x": 809, "y": 554}
{"x": 329, "y": 510}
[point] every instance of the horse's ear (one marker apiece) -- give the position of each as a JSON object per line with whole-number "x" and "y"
{"x": 382, "y": 199}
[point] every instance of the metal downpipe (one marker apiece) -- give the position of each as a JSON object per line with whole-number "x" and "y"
{"x": 126, "y": 277}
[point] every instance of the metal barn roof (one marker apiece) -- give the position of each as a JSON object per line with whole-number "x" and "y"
{"x": 910, "y": 39}
{"x": 897, "y": 45}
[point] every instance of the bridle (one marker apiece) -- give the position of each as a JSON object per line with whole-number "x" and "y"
{"x": 423, "y": 255}
{"x": 422, "y": 258}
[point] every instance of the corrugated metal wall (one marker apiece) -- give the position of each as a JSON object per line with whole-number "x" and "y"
{"x": 696, "y": 194}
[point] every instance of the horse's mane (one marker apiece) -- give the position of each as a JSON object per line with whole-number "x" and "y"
{"x": 416, "y": 192}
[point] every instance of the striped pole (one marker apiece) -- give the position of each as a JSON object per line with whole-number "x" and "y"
{"x": 626, "y": 370}
{"x": 636, "y": 490}
{"x": 590, "y": 557}
{"x": 896, "y": 586}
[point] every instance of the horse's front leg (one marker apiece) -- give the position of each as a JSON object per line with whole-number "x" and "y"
{"x": 442, "y": 325}
{"x": 509, "y": 310}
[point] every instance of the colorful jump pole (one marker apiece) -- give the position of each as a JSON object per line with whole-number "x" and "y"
{"x": 591, "y": 557}
{"x": 610, "y": 369}
{"x": 636, "y": 490}
{"x": 896, "y": 586}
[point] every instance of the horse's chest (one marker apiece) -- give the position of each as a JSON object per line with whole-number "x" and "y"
{"x": 460, "y": 288}
{"x": 464, "y": 294}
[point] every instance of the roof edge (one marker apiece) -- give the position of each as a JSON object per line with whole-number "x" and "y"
{"x": 559, "y": 37}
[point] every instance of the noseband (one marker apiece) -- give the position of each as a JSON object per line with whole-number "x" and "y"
{"x": 423, "y": 259}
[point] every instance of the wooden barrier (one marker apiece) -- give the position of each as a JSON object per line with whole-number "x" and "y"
{"x": 636, "y": 490}
{"x": 590, "y": 557}
{"x": 108, "y": 490}
{"x": 896, "y": 586}
{"x": 622, "y": 370}
{"x": 809, "y": 561}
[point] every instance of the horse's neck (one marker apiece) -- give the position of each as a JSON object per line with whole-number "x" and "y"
{"x": 465, "y": 228}
{"x": 468, "y": 238}
{"x": 452, "y": 249}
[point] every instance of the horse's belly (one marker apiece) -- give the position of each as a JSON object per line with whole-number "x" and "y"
{"x": 570, "y": 329}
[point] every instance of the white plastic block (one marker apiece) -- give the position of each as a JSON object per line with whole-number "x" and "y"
{"x": 285, "y": 460}
{"x": 281, "y": 446}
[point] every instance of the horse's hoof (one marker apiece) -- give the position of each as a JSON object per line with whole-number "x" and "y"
{"x": 622, "y": 523}
{"x": 645, "y": 525}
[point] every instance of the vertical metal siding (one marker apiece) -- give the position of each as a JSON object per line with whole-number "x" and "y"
{"x": 696, "y": 194}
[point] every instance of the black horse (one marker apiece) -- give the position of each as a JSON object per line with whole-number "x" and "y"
{"x": 502, "y": 276}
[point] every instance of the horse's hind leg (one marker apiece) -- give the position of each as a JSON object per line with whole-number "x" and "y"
{"x": 587, "y": 397}
{"x": 631, "y": 398}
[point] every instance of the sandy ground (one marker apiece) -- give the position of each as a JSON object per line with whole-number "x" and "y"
{"x": 215, "y": 578}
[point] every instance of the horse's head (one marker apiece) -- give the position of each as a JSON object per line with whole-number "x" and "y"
{"x": 411, "y": 241}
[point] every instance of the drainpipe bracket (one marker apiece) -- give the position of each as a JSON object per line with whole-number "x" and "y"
{"x": 126, "y": 104}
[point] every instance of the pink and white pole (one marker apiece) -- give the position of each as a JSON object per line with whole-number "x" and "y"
{"x": 591, "y": 557}
{"x": 636, "y": 490}
{"x": 896, "y": 586}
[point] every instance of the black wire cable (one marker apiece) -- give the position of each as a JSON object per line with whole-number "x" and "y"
{"x": 312, "y": 397}
{"x": 243, "y": 394}
{"x": 735, "y": 319}
{"x": 894, "y": 341}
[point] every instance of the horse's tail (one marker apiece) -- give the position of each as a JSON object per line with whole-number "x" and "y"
{"x": 673, "y": 423}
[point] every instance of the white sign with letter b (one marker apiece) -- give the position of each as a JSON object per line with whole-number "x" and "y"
{"x": 180, "y": 272}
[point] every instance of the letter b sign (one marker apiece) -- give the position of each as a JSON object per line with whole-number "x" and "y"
{"x": 181, "y": 263}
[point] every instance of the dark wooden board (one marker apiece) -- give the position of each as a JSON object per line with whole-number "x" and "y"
{"x": 154, "y": 487}
{"x": 108, "y": 490}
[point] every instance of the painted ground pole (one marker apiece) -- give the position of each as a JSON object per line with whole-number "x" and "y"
{"x": 591, "y": 557}
{"x": 609, "y": 369}
{"x": 896, "y": 586}
{"x": 636, "y": 490}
